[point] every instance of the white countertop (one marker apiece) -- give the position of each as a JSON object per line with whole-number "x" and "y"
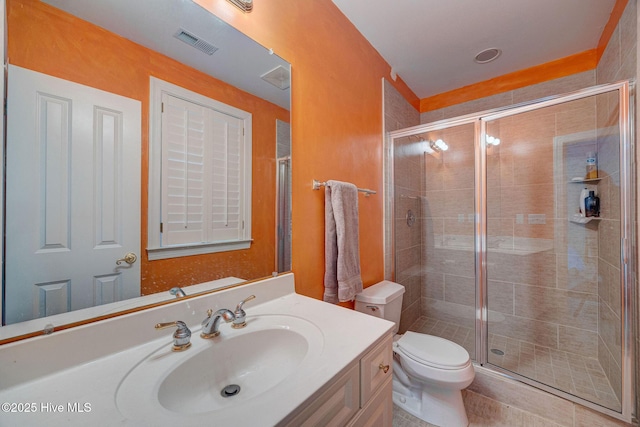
{"x": 58, "y": 376}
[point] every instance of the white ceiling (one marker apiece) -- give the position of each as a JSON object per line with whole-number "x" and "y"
{"x": 431, "y": 44}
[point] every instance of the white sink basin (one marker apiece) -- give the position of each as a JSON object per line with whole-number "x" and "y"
{"x": 242, "y": 365}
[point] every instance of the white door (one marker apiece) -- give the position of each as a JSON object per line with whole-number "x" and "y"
{"x": 72, "y": 198}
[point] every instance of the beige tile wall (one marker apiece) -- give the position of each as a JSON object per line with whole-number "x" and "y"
{"x": 537, "y": 297}
{"x": 408, "y": 167}
{"x": 448, "y": 288}
{"x": 399, "y": 114}
{"x": 609, "y": 322}
{"x": 618, "y": 62}
{"x": 522, "y": 169}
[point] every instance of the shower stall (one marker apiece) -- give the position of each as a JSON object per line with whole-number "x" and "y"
{"x": 283, "y": 196}
{"x": 283, "y": 215}
{"x": 491, "y": 237}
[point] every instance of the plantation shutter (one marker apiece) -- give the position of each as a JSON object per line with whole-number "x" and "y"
{"x": 184, "y": 129}
{"x": 226, "y": 178}
{"x": 201, "y": 174}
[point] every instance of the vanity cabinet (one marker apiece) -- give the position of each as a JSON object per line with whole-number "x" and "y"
{"x": 136, "y": 379}
{"x": 378, "y": 411}
{"x": 359, "y": 397}
{"x": 335, "y": 406}
{"x": 375, "y": 368}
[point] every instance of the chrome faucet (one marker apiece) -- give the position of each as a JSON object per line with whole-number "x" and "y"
{"x": 178, "y": 292}
{"x": 211, "y": 324}
{"x": 240, "y": 314}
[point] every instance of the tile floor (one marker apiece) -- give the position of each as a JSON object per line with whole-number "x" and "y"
{"x": 500, "y": 416}
{"x": 402, "y": 418}
{"x": 568, "y": 372}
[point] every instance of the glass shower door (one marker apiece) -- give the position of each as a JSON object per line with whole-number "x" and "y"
{"x": 434, "y": 234}
{"x": 283, "y": 197}
{"x": 553, "y": 266}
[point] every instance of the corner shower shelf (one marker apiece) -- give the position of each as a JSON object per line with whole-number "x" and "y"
{"x": 585, "y": 181}
{"x": 578, "y": 219}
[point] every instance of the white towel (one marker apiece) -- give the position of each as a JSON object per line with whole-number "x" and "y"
{"x": 342, "y": 280}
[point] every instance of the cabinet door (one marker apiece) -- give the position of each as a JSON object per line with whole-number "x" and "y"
{"x": 379, "y": 411}
{"x": 375, "y": 368}
{"x": 336, "y": 406}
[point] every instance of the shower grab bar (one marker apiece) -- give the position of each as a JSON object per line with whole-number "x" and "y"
{"x": 317, "y": 184}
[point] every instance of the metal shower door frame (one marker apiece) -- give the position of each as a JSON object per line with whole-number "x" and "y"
{"x": 627, "y": 265}
{"x": 628, "y": 245}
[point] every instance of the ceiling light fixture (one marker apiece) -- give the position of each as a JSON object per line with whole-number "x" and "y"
{"x": 244, "y": 5}
{"x": 434, "y": 148}
{"x": 491, "y": 140}
{"x": 487, "y": 55}
{"x": 441, "y": 145}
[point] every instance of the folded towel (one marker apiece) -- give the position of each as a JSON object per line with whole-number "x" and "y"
{"x": 342, "y": 280}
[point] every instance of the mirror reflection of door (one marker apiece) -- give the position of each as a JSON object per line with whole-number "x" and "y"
{"x": 73, "y": 165}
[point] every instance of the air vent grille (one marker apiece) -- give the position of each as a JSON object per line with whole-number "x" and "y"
{"x": 278, "y": 77}
{"x": 195, "y": 41}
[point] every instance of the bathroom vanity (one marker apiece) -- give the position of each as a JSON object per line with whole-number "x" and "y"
{"x": 298, "y": 362}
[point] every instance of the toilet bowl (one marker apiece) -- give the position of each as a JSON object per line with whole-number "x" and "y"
{"x": 429, "y": 372}
{"x": 433, "y": 372}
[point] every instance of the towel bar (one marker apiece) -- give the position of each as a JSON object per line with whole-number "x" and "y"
{"x": 317, "y": 184}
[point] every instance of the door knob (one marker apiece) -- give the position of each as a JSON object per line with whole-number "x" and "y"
{"x": 129, "y": 258}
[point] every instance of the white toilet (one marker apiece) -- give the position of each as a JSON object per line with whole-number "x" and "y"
{"x": 429, "y": 372}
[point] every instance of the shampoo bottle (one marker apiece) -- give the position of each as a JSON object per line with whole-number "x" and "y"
{"x": 592, "y": 166}
{"x": 592, "y": 205}
{"x": 583, "y": 196}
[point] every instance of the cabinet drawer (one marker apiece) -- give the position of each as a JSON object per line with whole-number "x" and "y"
{"x": 372, "y": 369}
{"x": 336, "y": 406}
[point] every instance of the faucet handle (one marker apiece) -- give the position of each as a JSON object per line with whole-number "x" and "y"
{"x": 181, "y": 337}
{"x": 240, "y": 314}
{"x": 208, "y": 318}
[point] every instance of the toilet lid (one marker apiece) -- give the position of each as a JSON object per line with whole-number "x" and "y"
{"x": 433, "y": 351}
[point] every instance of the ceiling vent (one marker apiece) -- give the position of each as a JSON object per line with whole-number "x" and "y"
{"x": 487, "y": 55}
{"x": 195, "y": 41}
{"x": 279, "y": 77}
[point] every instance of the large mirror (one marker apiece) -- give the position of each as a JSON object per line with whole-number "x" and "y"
{"x": 118, "y": 59}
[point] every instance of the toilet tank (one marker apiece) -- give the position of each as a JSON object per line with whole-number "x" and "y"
{"x": 384, "y": 299}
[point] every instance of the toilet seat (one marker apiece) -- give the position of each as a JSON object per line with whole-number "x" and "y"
{"x": 433, "y": 351}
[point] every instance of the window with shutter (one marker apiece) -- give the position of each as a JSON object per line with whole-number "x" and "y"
{"x": 200, "y": 174}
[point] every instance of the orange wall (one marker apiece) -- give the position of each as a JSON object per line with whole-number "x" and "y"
{"x": 47, "y": 40}
{"x": 336, "y": 121}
